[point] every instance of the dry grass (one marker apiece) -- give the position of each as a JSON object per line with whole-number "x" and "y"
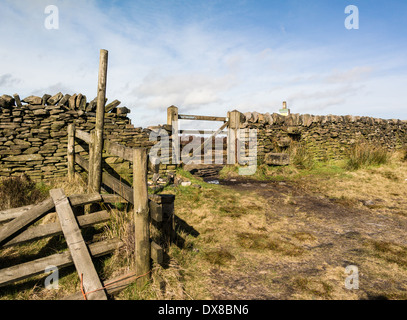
{"x": 284, "y": 240}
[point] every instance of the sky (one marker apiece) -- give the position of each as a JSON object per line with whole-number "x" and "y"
{"x": 208, "y": 57}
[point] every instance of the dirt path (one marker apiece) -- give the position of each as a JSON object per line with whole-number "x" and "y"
{"x": 329, "y": 236}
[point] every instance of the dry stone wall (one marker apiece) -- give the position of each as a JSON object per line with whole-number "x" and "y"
{"x": 33, "y": 132}
{"x": 327, "y": 137}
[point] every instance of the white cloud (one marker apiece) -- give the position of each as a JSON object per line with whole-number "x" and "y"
{"x": 155, "y": 62}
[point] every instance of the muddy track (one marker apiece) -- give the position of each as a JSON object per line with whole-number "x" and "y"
{"x": 342, "y": 234}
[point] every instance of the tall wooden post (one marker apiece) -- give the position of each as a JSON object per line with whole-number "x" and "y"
{"x": 71, "y": 152}
{"x": 141, "y": 216}
{"x": 172, "y": 120}
{"x": 100, "y": 118}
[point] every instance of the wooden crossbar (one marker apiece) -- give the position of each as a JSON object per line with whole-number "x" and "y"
{"x": 59, "y": 260}
{"x": 15, "y": 226}
{"x": 53, "y": 229}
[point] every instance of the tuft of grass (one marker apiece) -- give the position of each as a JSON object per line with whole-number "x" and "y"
{"x": 300, "y": 156}
{"x": 19, "y": 191}
{"x": 219, "y": 257}
{"x": 262, "y": 242}
{"x": 390, "y": 252}
{"x": 364, "y": 154}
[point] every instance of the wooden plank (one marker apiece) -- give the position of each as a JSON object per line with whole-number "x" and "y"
{"x": 117, "y": 186}
{"x": 200, "y": 132}
{"x": 82, "y": 161}
{"x": 209, "y": 139}
{"x": 156, "y": 211}
{"x": 118, "y": 150}
{"x": 71, "y": 152}
{"x": 10, "y": 214}
{"x": 82, "y": 199}
{"x": 79, "y": 251}
{"x": 60, "y": 260}
{"x": 112, "y": 198}
{"x": 141, "y": 216}
{"x": 76, "y": 200}
{"x": 83, "y": 135}
{"x": 18, "y": 224}
{"x": 53, "y": 229}
{"x": 117, "y": 284}
{"x": 157, "y": 253}
{"x": 204, "y": 118}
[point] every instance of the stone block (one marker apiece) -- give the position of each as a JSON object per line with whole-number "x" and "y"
{"x": 277, "y": 159}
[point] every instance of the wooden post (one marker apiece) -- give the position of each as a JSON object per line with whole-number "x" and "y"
{"x": 141, "y": 217}
{"x": 100, "y": 117}
{"x": 71, "y": 152}
{"x": 172, "y": 120}
{"x": 91, "y": 162}
{"x": 233, "y": 145}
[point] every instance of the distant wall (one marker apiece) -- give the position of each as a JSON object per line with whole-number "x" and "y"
{"x": 325, "y": 136}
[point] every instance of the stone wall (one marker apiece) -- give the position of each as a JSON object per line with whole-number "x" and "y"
{"x": 327, "y": 137}
{"x": 33, "y": 132}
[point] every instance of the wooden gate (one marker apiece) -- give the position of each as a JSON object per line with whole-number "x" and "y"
{"x": 231, "y": 123}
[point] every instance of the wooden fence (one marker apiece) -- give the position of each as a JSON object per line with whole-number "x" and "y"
{"x": 158, "y": 208}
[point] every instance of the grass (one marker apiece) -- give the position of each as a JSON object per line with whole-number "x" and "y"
{"x": 230, "y": 236}
{"x": 364, "y": 155}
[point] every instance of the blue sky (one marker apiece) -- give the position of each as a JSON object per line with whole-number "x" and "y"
{"x": 209, "y": 57}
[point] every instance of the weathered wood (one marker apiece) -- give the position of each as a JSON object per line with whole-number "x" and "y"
{"x": 172, "y": 120}
{"x": 113, "y": 286}
{"x": 204, "y": 118}
{"x": 59, "y": 260}
{"x": 141, "y": 216}
{"x": 112, "y": 198}
{"x": 10, "y": 214}
{"x": 71, "y": 152}
{"x": 233, "y": 137}
{"x": 209, "y": 139}
{"x": 18, "y": 224}
{"x": 91, "y": 162}
{"x": 79, "y": 251}
{"x": 53, "y": 229}
{"x": 100, "y": 118}
{"x": 119, "y": 187}
{"x": 157, "y": 253}
{"x": 156, "y": 211}
{"x": 83, "y": 199}
{"x": 83, "y": 135}
{"x": 118, "y": 150}
{"x": 200, "y": 132}
{"x": 76, "y": 200}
